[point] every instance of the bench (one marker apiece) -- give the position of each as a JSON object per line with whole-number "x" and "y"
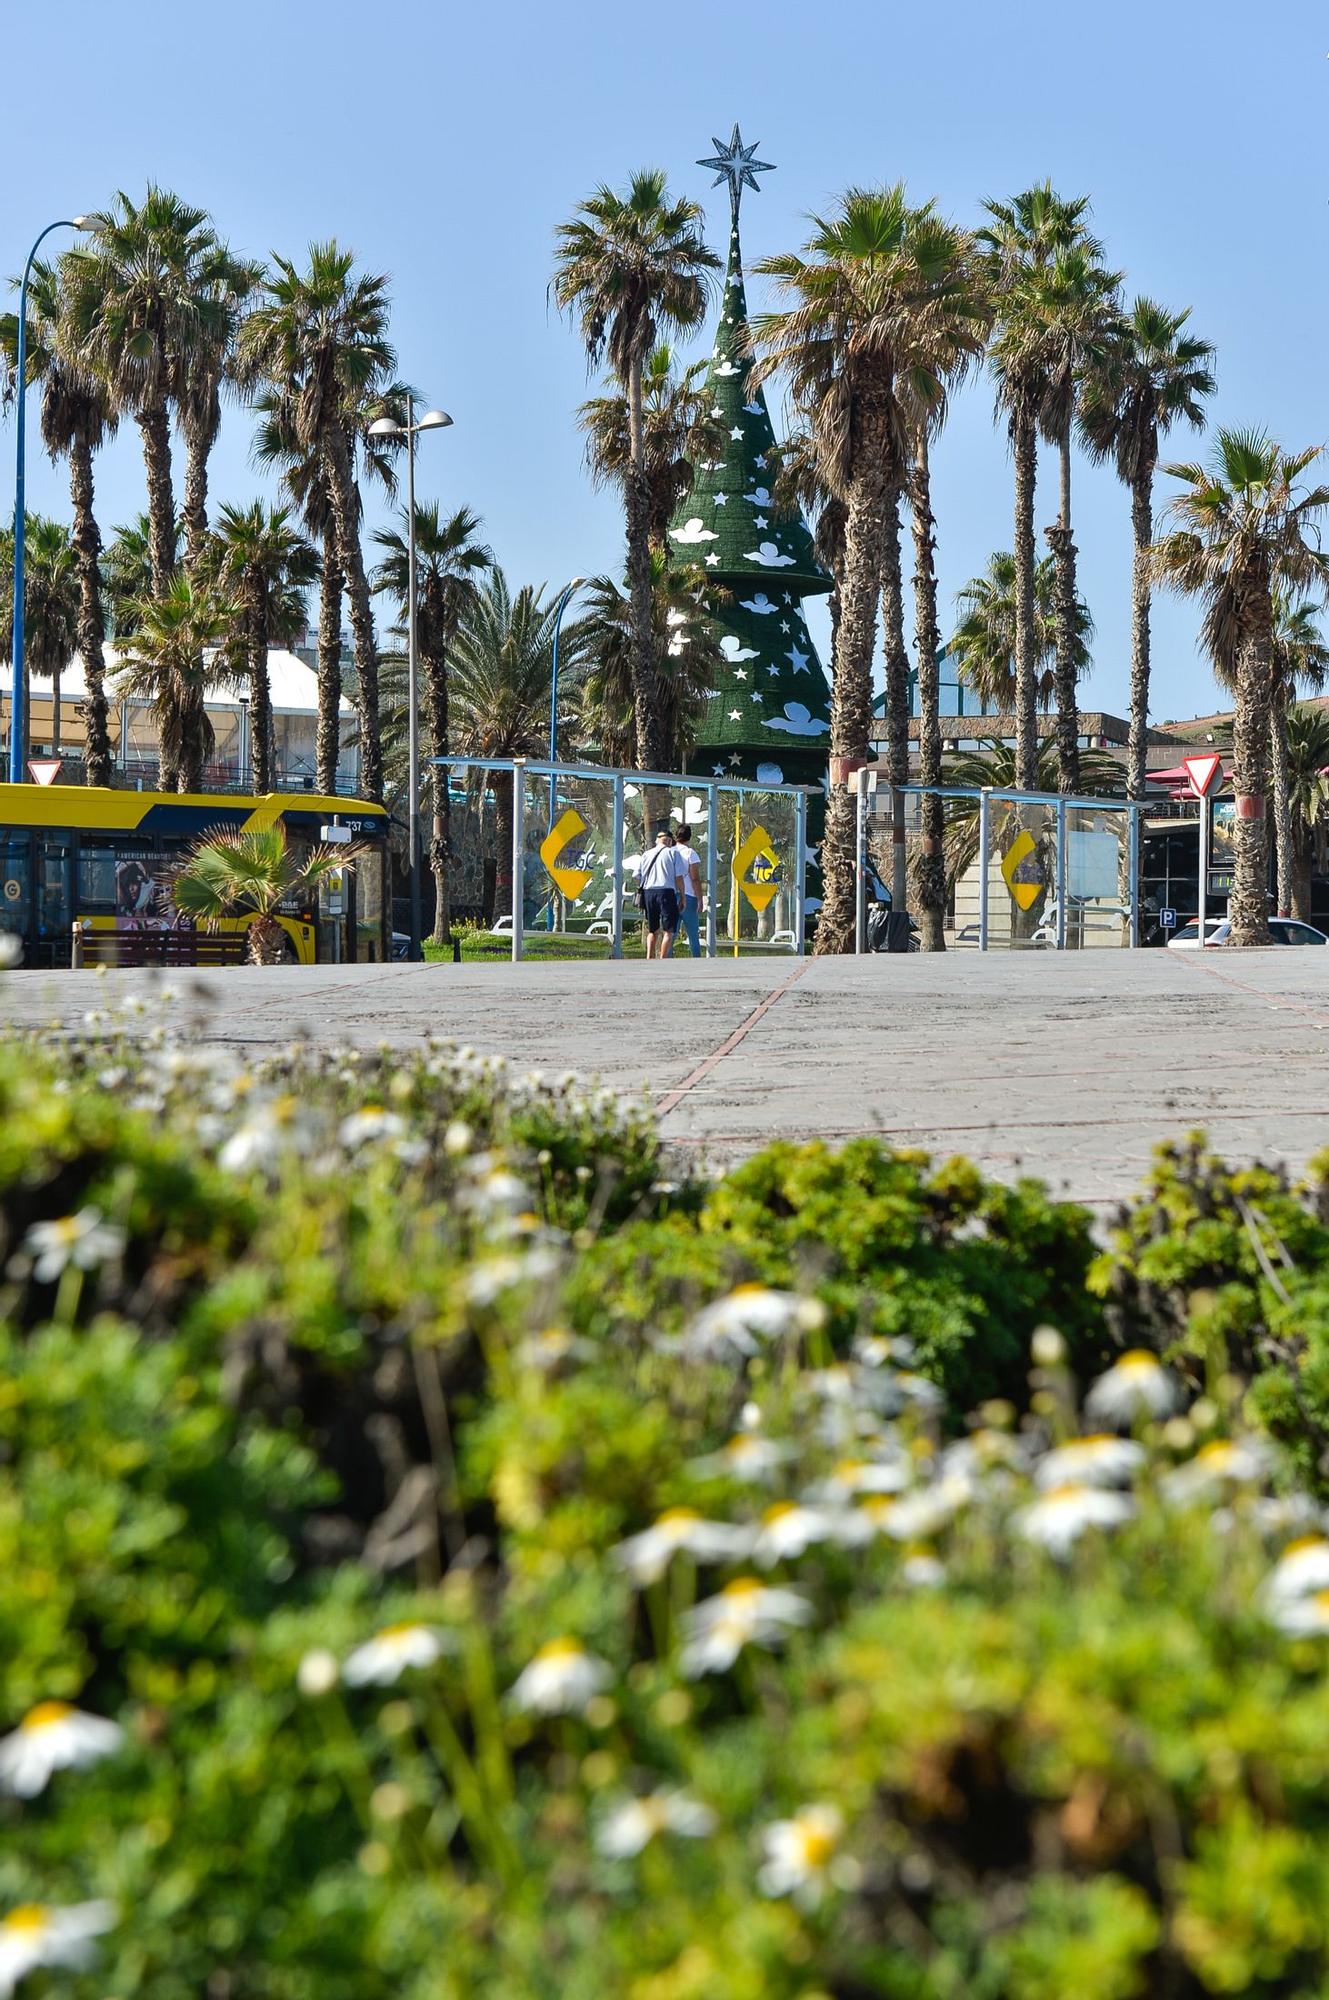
{"x": 165, "y": 948}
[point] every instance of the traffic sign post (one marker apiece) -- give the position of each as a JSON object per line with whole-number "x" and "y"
{"x": 1167, "y": 920}
{"x": 1203, "y": 773}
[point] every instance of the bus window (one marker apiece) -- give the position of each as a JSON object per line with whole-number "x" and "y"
{"x": 53, "y": 912}
{"x": 14, "y": 860}
{"x": 369, "y": 902}
{"x": 96, "y": 876}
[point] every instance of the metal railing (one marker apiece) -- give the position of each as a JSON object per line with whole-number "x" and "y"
{"x": 519, "y": 769}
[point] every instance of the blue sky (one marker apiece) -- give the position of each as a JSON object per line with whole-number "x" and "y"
{"x": 445, "y": 143}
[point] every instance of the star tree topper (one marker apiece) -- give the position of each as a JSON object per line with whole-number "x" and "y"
{"x": 734, "y": 163}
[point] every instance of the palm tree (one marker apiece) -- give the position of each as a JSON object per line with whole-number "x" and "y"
{"x": 1020, "y": 241}
{"x": 996, "y": 765}
{"x": 1308, "y": 791}
{"x": 166, "y": 665}
{"x": 678, "y": 432}
{"x": 260, "y": 560}
{"x": 450, "y": 560}
{"x": 51, "y": 603}
{"x": 1301, "y": 659}
{"x": 801, "y": 488}
{"x": 500, "y": 681}
{"x": 222, "y": 284}
{"x": 945, "y": 343}
{"x": 254, "y": 869}
{"x": 319, "y": 338}
{"x": 686, "y": 658}
{"x": 630, "y": 269}
{"x": 126, "y": 570}
{"x": 983, "y": 644}
{"x": 1150, "y": 376}
{"x": 866, "y": 274}
{"x": 1245, "y": 528}
{"x": 138, "y": 307}
{"x": 77, "y": 418}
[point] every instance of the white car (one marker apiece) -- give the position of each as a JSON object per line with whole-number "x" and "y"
{"x": 1282, "y": 930}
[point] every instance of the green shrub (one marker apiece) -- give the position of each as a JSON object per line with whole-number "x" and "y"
{"x": 406, "y": 1354}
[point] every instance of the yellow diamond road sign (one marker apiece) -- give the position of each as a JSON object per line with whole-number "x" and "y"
{"x": 571, "y": 881}
{"x": 1020, "y": 867}
{"x": 757, "y": 868}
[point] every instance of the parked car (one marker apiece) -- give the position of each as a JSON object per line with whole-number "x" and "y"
{"x": 1282, "y": 930}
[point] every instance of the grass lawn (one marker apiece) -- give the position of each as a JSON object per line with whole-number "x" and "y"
{"x": 479, "y": 947}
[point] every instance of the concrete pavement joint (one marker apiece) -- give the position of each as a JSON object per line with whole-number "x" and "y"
{"x": 704, "y": 1068}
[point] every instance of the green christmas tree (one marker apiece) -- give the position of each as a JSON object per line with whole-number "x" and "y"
{"x": 768, "y": 716}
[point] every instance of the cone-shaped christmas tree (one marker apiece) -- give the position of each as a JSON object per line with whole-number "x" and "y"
{"x": 768, "y": 712}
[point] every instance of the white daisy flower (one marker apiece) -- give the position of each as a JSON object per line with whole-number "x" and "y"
{"x": 879, "y": 1350}
{"x": 746, "y": 1456}
{"x": 83, "y": 1240}
{"x": 34, "y": 1938}
{"x": 633, "y": 1825}
{"x": 852, "y": 1477}
{"x": 918, "y": 1391}
{"x": 737, "y": 1324}
{"x": 52, "y": 1737}
{"x": 787, "y": 1529}
{"x": 1138, "y": 1385}
{"x": 746, "y": 1612}
{"x": 1060, "y": 1517}
{"x": 318, "y": 1672}
{"x": 1303, "y": 1617}
{"x": 1090, "y": 1461}
{"x": 917, "y": 1516}
{"x": 386, "y": 1657}
{"x": 552, "y": 1346}
{"x": 648, "y": 1555}
{"x": 921, "y": 1570}
{"x": 1303, "y": 1567}
{"x": 982, "y": 1454}
{"x": 560, "y": 1680}
{"x": 371, "y": 1123}
{"x": 800, "y": 1855}
{"x": 1223, "y": 1461}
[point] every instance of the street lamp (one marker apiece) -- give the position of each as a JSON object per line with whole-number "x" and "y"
{"x": 432, "y": 420}
{"x": 18, "y": 699}
{"x": 560, "y": 608}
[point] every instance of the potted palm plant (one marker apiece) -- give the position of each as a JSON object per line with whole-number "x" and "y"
{"x": 251, "y": 873}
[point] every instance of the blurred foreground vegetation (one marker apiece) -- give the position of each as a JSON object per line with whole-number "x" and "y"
{"x": 511, "y": 1568}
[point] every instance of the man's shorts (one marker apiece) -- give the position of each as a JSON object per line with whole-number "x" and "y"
{"x": 661, "y": 910}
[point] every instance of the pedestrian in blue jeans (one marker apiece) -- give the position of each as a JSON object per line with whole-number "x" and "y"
{"x": 658, "y": 883}
{"x": 689, "y": 885}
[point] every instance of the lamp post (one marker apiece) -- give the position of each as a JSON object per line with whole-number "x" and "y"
{"x": 561, "y": 607}
{"x": 18, "y": 699}
{"x": 432, "y": 420}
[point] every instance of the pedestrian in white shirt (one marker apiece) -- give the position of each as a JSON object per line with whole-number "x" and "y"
{"x": 657, "y": 881}
{"x": 689, "y": 887}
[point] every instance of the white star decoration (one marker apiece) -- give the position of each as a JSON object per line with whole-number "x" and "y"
{"x": 717, "y": 770}
{"x": 760, "y": 521}
{"x": 737, "y": 431}
{"x": 735, "y": 715}
{"x": 740, "y": 673}
{"x": 722, "y": 499}
{"x": 712, "y": 561}
{"x": 799, "y": 660}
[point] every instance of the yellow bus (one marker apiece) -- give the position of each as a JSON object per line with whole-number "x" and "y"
{"x": 109, "y": 858}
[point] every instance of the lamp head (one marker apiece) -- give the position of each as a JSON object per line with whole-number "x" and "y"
{"x": 81, "y": 222}
{"x": 385, "y": 427}
{"x": 434, "y": 420}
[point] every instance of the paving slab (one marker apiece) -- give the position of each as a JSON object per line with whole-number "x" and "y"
{"x": 1069, "y": 1065}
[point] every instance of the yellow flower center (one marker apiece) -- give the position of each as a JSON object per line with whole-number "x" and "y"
{"x": 780, "y": 1511}
{"x": 817, "y": 1844}
{"x": 1139, "y": 1361}
{"x": 1302, "y": 1543}
{"x": 1215, "y": 1454}
{"x": 848, "y": 1470}
{"x": 401, "y": 1631}
{"x": 742, "y": 1588}
{"x": 678, "y": 1517}
{"x": 749, "y": 1291}
{"x": 28, "y": 1918}
{"x": 46, "y": 1714}
{"x": 560, "y": 1649}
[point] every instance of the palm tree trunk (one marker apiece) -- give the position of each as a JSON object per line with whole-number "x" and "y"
{"x": 341, "y": 489}
{"x": 436, "y": 713}
{"x": 1278, "y": 758}
{"x": 896, "y": 659}
{"x": 260, "y": 692}
{"x": 503, "y": 897}
{"x": 87, "y": 552}
{"x": 851, "y": 695}
{"x": 930, "y": 865}
{"x": 154, "y": 425}
{"x": 650, "y": 749}
{"x": 1248, "y": 905}
{"x": 200, "y": 436}
{"x": 55, "y": 709}
{"x": 1068, "y": 715}
{"x": 1301, "y": 870}
{"x": 1142, "y": 532}
{"x": 328, "y": 741}
{"x": 1025, "y": 441}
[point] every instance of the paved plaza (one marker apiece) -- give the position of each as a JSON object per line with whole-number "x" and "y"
{"x": 1070, "y": 1065}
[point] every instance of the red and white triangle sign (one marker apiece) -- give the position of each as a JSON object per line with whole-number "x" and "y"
{"x": 1202, "y": 772}
{"x": 44, "y": 770}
